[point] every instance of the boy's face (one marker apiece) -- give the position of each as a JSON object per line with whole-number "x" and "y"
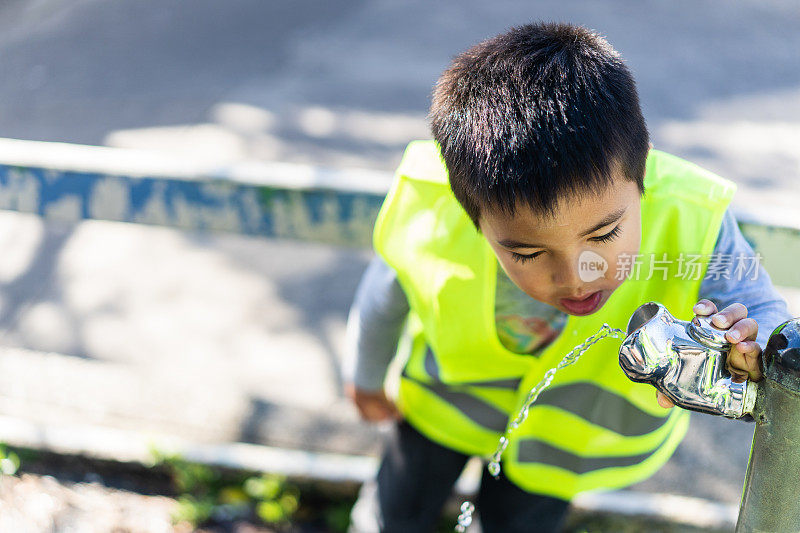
{"x": 572, "y": 258}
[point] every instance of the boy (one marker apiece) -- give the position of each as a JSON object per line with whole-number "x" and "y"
{"x": 539, "y": 213}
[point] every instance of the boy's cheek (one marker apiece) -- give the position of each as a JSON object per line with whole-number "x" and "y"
{"x": 623, "y": 256}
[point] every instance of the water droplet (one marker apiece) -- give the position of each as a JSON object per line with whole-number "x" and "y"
{"x": 465, "y": 518}
{"x": 571, "y": 357}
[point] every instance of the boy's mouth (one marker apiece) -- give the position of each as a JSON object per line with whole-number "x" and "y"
{"x": 582, "y": 307}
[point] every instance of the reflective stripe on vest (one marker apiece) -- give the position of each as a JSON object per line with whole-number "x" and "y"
{"x": 481, "y": 412}
{"x": 594, "y": 428}
{"x": 536, "y": 451}
{"x": 600, "y": 407}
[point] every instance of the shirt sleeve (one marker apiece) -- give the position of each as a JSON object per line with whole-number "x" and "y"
{"x": 374, "y": 325}
{"x": 735, "y": 274}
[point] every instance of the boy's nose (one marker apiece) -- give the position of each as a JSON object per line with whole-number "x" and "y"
{"x": 566, "y": 277}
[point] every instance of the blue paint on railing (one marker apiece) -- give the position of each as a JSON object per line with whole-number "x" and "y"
{"x": 340, "y": 217}
{"x": 334, "y": 217}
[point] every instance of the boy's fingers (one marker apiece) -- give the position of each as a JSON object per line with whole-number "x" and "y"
{"x": 379, "y": 414}
{"x": 704, "y": 307}
{"x": 737, "y": 376}
{"x": 391, "y": 410}
{"x": 744, "y": 329}
{"x": 367, "y": 411}
{"x": 378, "y": 410}
{"x": 663, "y": 401}
{"x": 729, "y": 316}
{"x": 744, "y": 361}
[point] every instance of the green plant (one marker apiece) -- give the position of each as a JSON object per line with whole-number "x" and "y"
{"x": 192, "y": 510}
{"x": 276, "y": 501}
{"x": 9, "y": 461}
{"x": 206, "y": 495}
{"x": 337, "y": 516}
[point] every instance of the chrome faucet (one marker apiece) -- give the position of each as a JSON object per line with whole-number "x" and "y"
{"x": 685, "y": 361}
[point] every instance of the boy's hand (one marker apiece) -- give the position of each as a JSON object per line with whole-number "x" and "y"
{"x": 373, "y": 406}
{"x": 744, "y": 359}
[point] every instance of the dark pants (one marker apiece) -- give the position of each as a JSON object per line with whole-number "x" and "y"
{"x": 416, "y": 477}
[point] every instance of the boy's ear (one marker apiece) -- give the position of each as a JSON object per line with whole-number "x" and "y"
{"x": 651, "y": 145}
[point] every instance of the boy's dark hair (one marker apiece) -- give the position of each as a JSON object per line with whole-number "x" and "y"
{"x": 535, "y": 113}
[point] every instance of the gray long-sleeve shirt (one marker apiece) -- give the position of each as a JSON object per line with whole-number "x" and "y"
{"x": 380, "y": 307}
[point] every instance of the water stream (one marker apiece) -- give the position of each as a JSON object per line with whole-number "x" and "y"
{"x": 467, "y": 508}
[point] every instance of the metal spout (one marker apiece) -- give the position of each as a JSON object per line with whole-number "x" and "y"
{"x": 642, "y": 315}
{"x": 685, "y": 361}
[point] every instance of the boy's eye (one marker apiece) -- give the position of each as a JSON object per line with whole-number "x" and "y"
{"x": 610, "y": 236}
{"x": 523, "y": 258}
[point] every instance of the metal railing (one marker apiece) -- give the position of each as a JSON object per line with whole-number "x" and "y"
{"x": 281, "y": 200}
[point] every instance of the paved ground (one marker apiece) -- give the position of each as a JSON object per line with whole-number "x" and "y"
{"x": 152, "y": 328}
{"x": 234, "y": 338}
{"x": 33, "y": 504}
{"x": 347, "y": 83}
{"x": 216, "y": 338}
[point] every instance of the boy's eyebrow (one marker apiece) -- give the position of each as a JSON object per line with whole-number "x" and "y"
{"x": 608, "y": 219}
{"x": 511, "y": 243}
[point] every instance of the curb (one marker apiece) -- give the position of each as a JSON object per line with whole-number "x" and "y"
{"x": 335, "y": 206}
{"x": 128, "y": 162}
{"x": 671, "y": 508}
{"x": 133, "y": 163}
{"x": 130, "y": 446}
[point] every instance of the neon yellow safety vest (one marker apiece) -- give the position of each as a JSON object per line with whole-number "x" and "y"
{"x": 593, "y": 428}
